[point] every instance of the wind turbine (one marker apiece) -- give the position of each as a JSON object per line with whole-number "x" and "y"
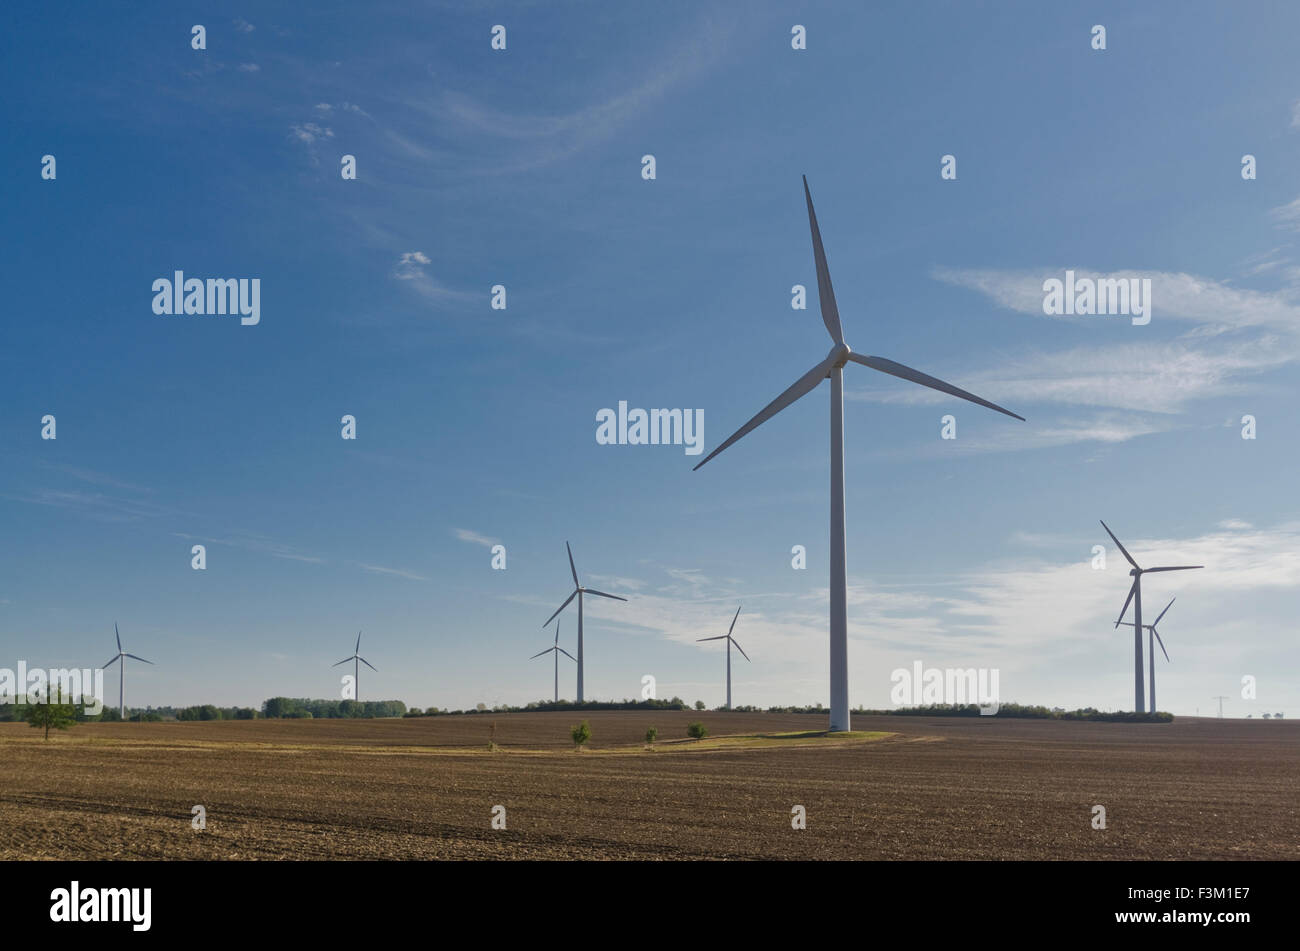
{"x": 578, "y": 592}
{"x": 121, "y": 672}
{"x": 356, "y": 673}
{"x": 1151, "y": 648}
{"x": 1220, "y": 699}
{"x": 730, "y": 640}
{"x": 833, "y": 367}
{"x": 1135, "y": 595}
{"x": 557, "y": 650}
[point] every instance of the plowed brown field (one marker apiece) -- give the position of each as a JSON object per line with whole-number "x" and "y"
{"x": 425, "y": 788}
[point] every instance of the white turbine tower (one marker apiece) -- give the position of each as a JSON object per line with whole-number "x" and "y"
{"x": 833, "y": 367}
{"x": 356, "y": 671}
{"x": 557, "y": 650}
{"x": 1151, "y": 648}
{"x": 578, "y": 592}
{"x": 730, "y": 640}
{"x": 1135, "y": 595}
{"x": 121, "y": 672}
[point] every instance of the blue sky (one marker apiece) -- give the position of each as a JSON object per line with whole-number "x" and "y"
{"x": 475, "y": 426}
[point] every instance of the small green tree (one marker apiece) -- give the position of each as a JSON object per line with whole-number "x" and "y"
{"x": 697, "y": 731}
{"x": 699, "y": 704}
{"x": 581, "y": 734}
{"x": 58, "y": 715}
{"x": 651, "y": 735}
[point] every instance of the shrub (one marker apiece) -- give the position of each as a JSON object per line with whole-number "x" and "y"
{"x": 651, "y": 735}
{"x": 581, "y": 734}
{"x": 697, "y": 731}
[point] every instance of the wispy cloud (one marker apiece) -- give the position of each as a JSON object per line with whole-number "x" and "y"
{"x": 1287, "y": 216}
{"x": 394, "y": 572}
{"x": 466, "y": 535}
{"x": 96, "y": 505}
{"x": 249, "y": 68}
{"x": 412, "y": 268}
{"x": 256, "y": 543}
{"x": 1216, "y": 306}
{"x": 310, "y": 133}
{"x": 243, "y": 26}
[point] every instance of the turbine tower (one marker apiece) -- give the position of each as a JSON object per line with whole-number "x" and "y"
{"x": 1151, "y": 649}
{"x": 121, "y": 672}
{"x": 730, "y": 640}
{"x": 1220, "y": 699}
{"x": 578, "y": 592}
{"x": 356, "y": 672}
{"x": 833, "y": 367}
{"x": 1135, "y": 595}
{"x": 557, "y": 650}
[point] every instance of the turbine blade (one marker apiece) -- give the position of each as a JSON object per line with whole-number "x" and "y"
{"x": 733, "y": 622}
{"x": 602, "y": 594}
{"x": 1161, "y": 643}
{"x": 801, "y": 387}
{"x": 1177, "y": 568}
{"x": 1162, "y": 613}
{"x": 934, "y": 383}
{"x": 118, "y": 636}
{"x": 1132, "y": 588}
{"x": 540, "y": 653}
{"x": 568, "y": 655}
{"x": 561, "y": 608}
{"x": 739, "y": 648}
{"x": 572, "y": 570}
{"x": 343, "y": 661}
{"x": 133, "y": 657}
{"x": 825, "y": 293}
{"x": 368, "y": 664}
{"x": 1120, "y": 547}
{"x": 357, "y": 649}
{"x": 720, "y": 637}
{"x": 116, "y": 658}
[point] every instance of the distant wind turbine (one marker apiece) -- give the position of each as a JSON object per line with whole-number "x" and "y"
{"x": 1151, "y": 648}
{"x": 121, "y": 672}
{"x": 1135, "y": 595}
{"x": 730, "y": 640}
{"x": 557, "y": 650}
{"x": 578, "y": 592}
{"x": 833, "y": 367}
{"x": 356, "y": 673}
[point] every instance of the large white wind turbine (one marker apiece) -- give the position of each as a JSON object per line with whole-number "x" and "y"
{"x": 356, "y": 668}
{"x": 578, "y": 592}
{"x": 730, "y": 640}
{"x": 557, "y": 650}
{"x": 1135, "y": 595}
{"x": 833, "y": 367}
{"x": 1151, "y": 648}
{"x": 121, "y": 672}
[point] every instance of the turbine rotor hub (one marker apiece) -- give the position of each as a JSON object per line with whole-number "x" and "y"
{"x": 841, "y": 353}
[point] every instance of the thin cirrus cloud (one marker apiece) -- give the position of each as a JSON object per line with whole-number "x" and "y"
{"x": 542, "y": 139}
{"x": 475, "y": 538}
{"x": 412, "y": 269}
{"x": 1234, "y": 337}
{"x": 1287, "y": 216}
{"x": 391, "y": 572}
{"x": 255, "y": 543}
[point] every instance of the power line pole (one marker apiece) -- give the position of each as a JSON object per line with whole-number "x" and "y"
{"x": 1220, "y": 699}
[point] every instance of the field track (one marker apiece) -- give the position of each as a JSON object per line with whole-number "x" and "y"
{"x": 424, "y": 788}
